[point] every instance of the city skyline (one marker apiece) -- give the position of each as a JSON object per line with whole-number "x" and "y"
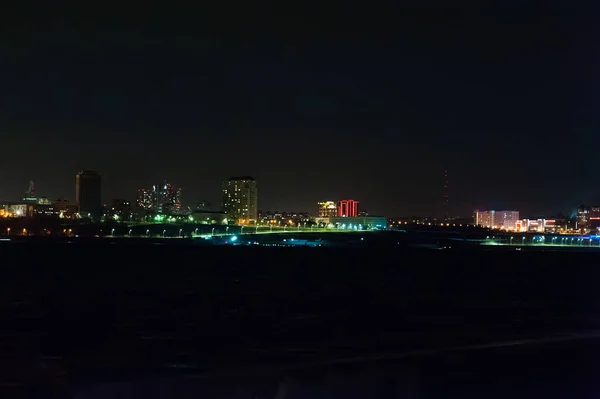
{"x": 190, "y": 202}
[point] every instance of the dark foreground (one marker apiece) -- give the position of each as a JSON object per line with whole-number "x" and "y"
{"x": 161, "y": 321}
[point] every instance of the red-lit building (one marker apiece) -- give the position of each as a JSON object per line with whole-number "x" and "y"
{"x": 348, "y": 208}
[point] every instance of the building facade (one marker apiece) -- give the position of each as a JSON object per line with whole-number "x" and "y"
{"x": 327, "y": 209}
{"x": 161, "y": 198}
{"x": 119, "y": 209}
{"x": 88, "y": 193}
{"x": 542, "y": 225}
{"x": 145, "y": 199}
{"x": 504, "y": 220}
{"x": 240, "y": 199}
{"x": 347, "y": 208}
{"x": 358, "y": 223}
{"x": 170, "y": 198}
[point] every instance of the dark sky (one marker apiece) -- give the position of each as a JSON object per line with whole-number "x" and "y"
{"x": 371, "y": 104}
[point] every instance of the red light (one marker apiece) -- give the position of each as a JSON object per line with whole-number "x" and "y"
{"x": 348, "y": 208}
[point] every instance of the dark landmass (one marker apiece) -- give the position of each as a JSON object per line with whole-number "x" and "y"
{"x": 77, "y": 315}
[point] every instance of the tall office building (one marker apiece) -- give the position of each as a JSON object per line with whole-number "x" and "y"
{"x": 170, "y": 197}
{"x": 164, "y": 198}
{"x": 145, "y": 199}
{"x": 582, "y": 218}
{"x": 88, "y": 193}
{"x": 240, "y": 199}
{"x": 327, "y": 209}
{"x": 348, "y": 208}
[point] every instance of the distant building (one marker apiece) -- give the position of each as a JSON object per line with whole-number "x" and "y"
{"x": 60, "y": 208}
{"x": 277, "y": 218}
{"x": 64, "y": 208}
{"x": 240, "y": 199}
{"x": 327, "y": 209}
{"x": 594, "y": 219}
{"x": 348, "y": 208}
{"x": 170, "y": 198}
{"x": 583, "y": 218}
{"x": 18, "y": 209}
{"x": 119, "y": 209}
{"x": 358, "y": 222}
{"x": 146, "y": 199}
{"x": 31, "y": 199}
{"x": 204, "y": 206}
{"x": 209, "y": 217}
{"x": 542, "y": 225}
{"x": 505, "y": 220}
{"x": 29, "y": 196}
{"x": 88, "y": 193}
{"x": 162, "y": 198}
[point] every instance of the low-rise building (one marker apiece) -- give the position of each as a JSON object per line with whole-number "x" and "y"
{"x": 209, "y": 217}
{"x": 355, "y": 223}
{"x": 542, "y": 225}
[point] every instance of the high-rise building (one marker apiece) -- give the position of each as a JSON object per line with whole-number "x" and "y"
{"x": 327, "y": 209}
{"x": 88, "y": 193}
{"x": 164, "y": 198}
{"x": 594, "y": 218}
{"x": 170, "y": 197}
{"x": 348, "y": 208}
{"x": 506, "y": 220}
{"x": 240, "y": 199}
{"x": 582, "y": 218}
{"x": 145, "y": 199}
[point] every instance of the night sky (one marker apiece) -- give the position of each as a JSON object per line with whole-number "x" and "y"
{"x": 369, "y": 104}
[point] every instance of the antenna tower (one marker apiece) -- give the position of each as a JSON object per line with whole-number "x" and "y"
{"x": 445, "y": 193}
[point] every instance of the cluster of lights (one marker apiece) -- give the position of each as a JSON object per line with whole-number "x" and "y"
{"x": 432, "y": 224}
